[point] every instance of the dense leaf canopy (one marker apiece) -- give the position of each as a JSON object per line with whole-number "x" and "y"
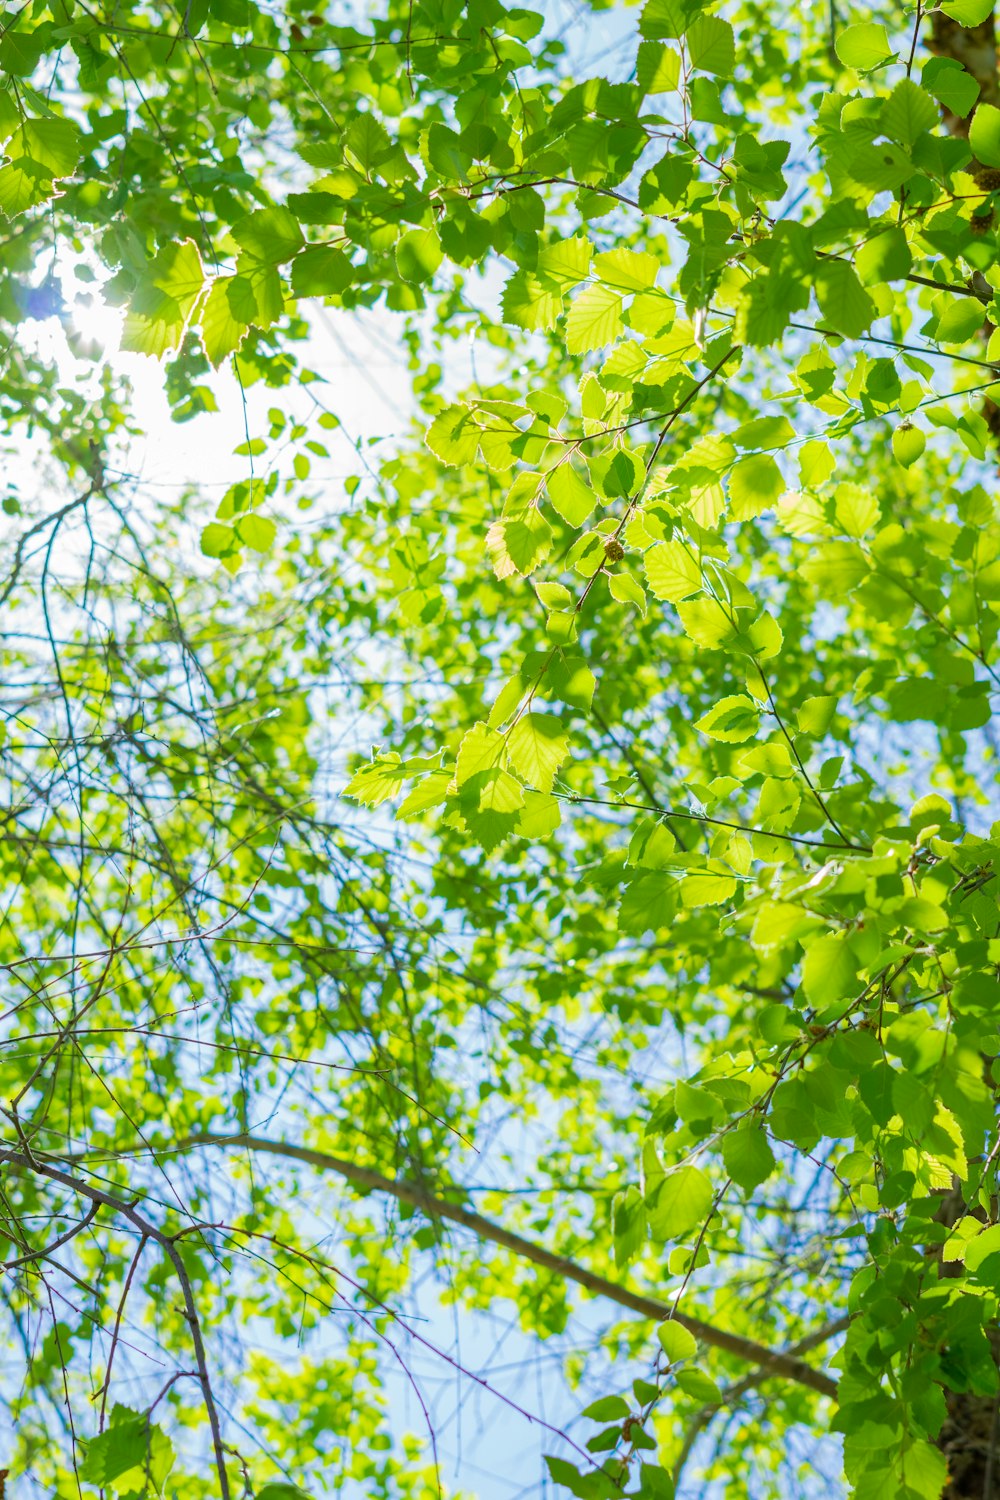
{"x": 545, "y": 861}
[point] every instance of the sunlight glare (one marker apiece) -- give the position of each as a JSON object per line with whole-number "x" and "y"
{"x": 94, "y": 321}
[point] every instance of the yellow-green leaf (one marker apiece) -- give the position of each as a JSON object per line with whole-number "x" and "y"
{"x": 537, "y": 746}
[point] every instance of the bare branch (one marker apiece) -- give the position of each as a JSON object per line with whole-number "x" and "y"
{"x": 776, "y": 1362}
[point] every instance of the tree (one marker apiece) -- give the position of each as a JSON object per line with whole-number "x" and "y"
{"x": 649, "y": 965}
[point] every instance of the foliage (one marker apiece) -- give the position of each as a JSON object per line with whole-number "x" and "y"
{"x": 670, "y": 885}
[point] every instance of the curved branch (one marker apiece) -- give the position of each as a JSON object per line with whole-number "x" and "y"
{"x": 64, "y": 1239}
{"x": 776, "y": 1362}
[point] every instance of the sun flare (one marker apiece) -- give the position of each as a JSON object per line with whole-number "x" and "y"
{"x": 94, "y": 321}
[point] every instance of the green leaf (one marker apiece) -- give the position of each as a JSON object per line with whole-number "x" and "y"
{"x": 732, "y": 719}
{"x": 164, "y": 300}
{"x": 947, "y": 80}
{"x": 816, "y": 463}
{"x": 593, "y": 1486}
{"x": 766, "y": 306}
{"x": 537, "y": 746}
{"x": 368, "y": 142}
{"x": 454, "y": 436}
{"x": 280, "y": 1491}
{"x": 216, "y": 540}
{"x": 672, "y": 573}
{"x": 628, "y": 1217}
{"x": 628, "y": 590}
{"x": 755, "y": 485}
{"x": 607, "y": 1409}
{"x": 540, "y": 816}
{"x": 492, "y": 800}
{"x": 857, "y": 510}
{"x": 967, "y": 13}
{"x": 20, "y": 50}
{"x": 844, "y": 303}
{"x": 658, "y": 69}
{"x": 925, "y": 1467}
{"x": 519, "y": 544}
{"x": 375, "y": 783}
{"x": 666, "y": 18}
{"x": 269, "y": 235}
{"x": 54, "y": 145}
{"x": 695, "y": 1383}
{"x": 257, "y": 532}
{"x": 748, "y": 1157}
{"x": 572, "y": 498}
{"x": 676, "y": 1342}
{"x": 418, "y": 254}
{"x": 430, "y": 791}
{"x": 984, "y": 135}
{"x": 655, "y": 1483}
{"x": 595, "y": 318}
{"x": 961, "y": 320}
{"x": 908, "y": 112}
{"x": 256, "y": 296}
{"x": 221, "y": 330}
{"x": 565, "y": 262}
{"x": 321, "y": 271}
{"x": 531, "y": 303}
{"x": 628, "y": 270}
{"x": 864, "y": 46}
{"x": 765, "y": 637}
{"x": 482, "y": 749}
{"x": 130, "y": 1443}
{"x": 708, "y": 887}
{"x": 711, "y": 45}
{"x": 908, "y": 444}
{"x": 836, "y": 567}
{"x": 572, "y": 681}
{"x": 682, "y": 1203}
{"x": 707, "y": 622}
{"x": 41, "y": 152}
{"x": 649, "y": 903}
{"x": 619, "y": 475}
{"x": 980, "y": 1249}
{"x": 885, "y": 257}
{"x": 829, "y": 972}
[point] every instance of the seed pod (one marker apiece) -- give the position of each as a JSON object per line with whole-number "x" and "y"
{"x": 988, "y": 178}
{"x": 982, "y": 223}
{"x": 613, "y": 550}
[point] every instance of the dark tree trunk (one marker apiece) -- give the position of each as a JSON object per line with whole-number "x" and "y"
{"x": 969, "y": 1442}
{"x": 975, "y": 47}
{"x": 970, "y": 1437}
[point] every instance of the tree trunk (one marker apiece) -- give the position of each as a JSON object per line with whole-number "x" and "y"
{"x": 969, "y": 1442}
{"x": 970, "y": 1436}
{"x": 975, "y": 47}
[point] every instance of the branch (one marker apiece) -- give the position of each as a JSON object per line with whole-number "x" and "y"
{"x": 771, "y": 1361}
{"x": 99, "y": 1197}
{"x": 64, "y": 1239}
{"x": 57, "y": 516}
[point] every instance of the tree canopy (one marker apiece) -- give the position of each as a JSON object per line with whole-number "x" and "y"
{"x": 546, "y": 860}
